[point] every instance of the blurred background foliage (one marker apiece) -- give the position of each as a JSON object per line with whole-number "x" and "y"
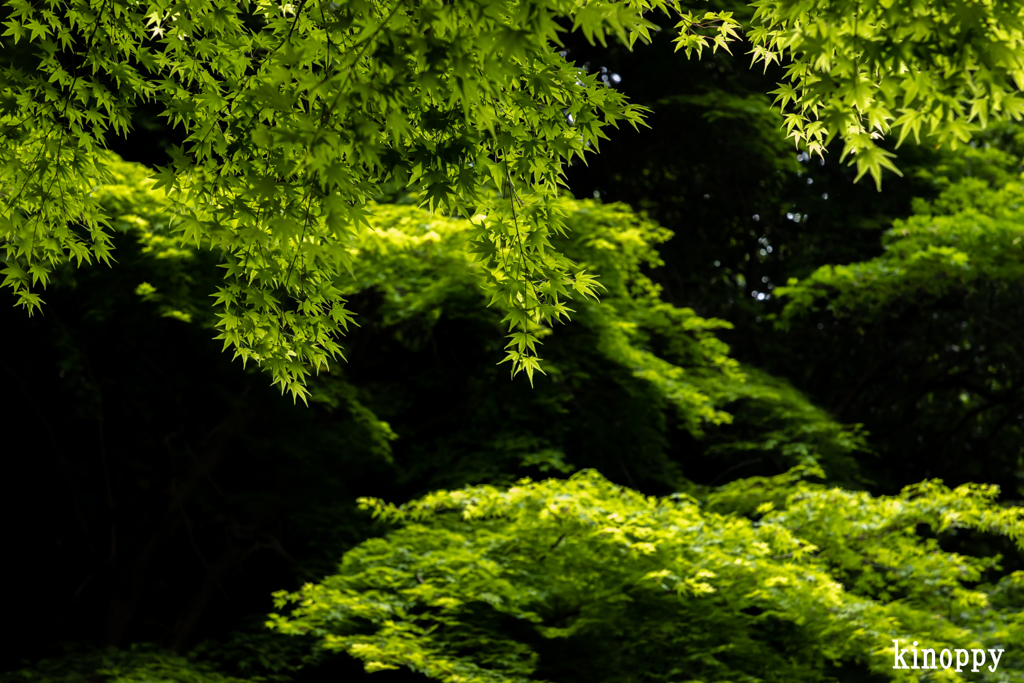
{"x": 762, "y": 312}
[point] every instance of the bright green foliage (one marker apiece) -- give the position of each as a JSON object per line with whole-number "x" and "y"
{"x": 617, "y": 244}
{"x": 859, "y": 70}
{"x": 584, "y": 580}
{"x": 719, "y": 30}
{"x": 295, "y": 114}
{"x": 970, "y": 236}
{"x": 421, "y": 263}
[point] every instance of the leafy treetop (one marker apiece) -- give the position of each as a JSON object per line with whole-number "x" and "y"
{"x": 421, "y": 268}
{"x": 295, "y": 114}
{"x": 583, "y": 580}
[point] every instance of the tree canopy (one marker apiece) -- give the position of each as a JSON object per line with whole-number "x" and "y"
{"x": 293, "y": 116}
{"x": 603, "y": 583}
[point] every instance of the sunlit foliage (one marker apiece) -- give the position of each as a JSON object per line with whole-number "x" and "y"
{"x": 294, "y": 115}
{"x": 583, "y": 580}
